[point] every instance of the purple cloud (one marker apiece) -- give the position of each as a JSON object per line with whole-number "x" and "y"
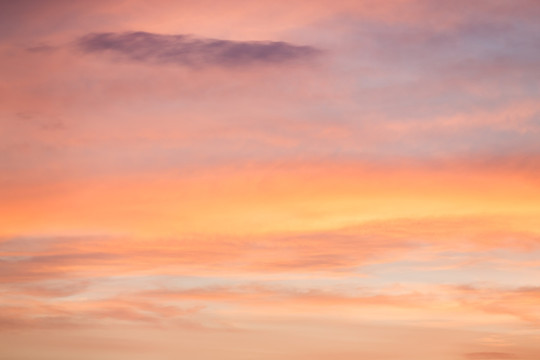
{"x": 192, "y": 51}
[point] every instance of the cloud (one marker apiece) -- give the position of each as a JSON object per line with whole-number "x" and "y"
{"x": 489, "y": 355}
{"x": 266, "y": 296}
{"x": 166, "y": 304}
{"x": 443, "y": 300}
{"x": 340, "y": 250}
{"x": 53, "y": 289}
{"x": 318, "y": 251}
{"x": 519, "y": 302}
{"x": 191, "y": 51}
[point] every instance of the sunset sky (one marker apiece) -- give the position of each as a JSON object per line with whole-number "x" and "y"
{"x": 270, "y": 180}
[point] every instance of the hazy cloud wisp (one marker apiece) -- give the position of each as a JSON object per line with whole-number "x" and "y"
{"x": 191, "y": 51}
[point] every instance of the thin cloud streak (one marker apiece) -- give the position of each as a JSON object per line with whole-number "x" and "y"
{"x": 191, "y": 51}
{"x": 490, "y": 356}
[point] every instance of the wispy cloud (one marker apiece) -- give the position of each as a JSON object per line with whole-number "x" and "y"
{"x": 192, "y": 51}
{"x": 490, "y": 355}
{"x": 332, "y": 252}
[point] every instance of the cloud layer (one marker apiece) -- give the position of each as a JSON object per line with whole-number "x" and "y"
{"x": 297, "y": 179}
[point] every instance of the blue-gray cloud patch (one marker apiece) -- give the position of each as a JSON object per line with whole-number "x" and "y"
{"x": 192, "y": 51}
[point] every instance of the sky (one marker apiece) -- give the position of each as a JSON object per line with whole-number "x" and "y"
{"x": 293, "y": 180}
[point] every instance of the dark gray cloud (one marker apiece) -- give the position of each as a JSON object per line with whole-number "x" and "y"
{"x": 192, "y": 51}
